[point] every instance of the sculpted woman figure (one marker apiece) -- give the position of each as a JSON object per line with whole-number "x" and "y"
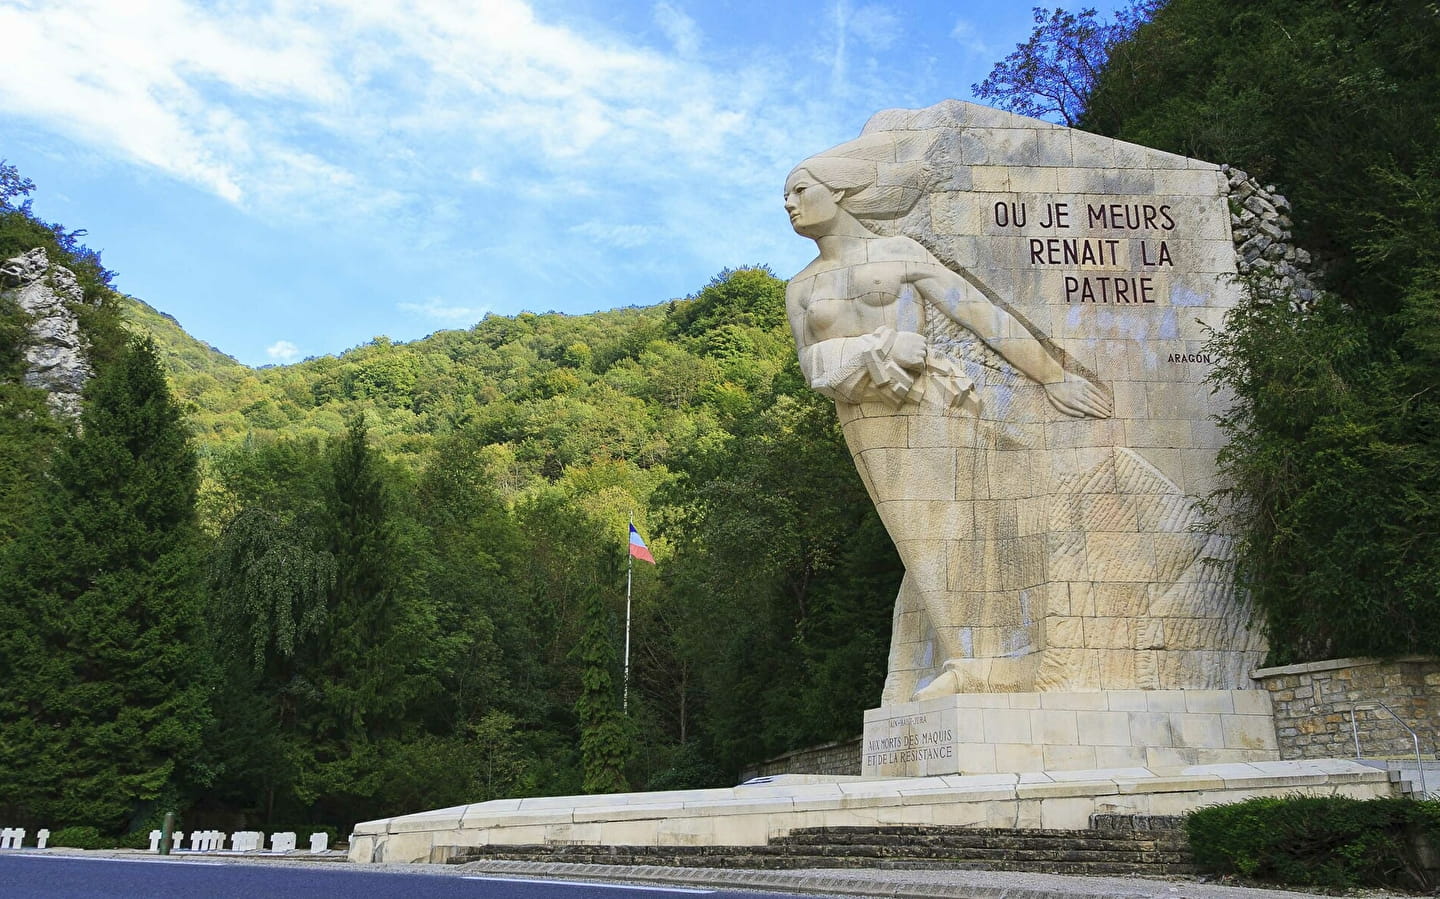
{"x": 930, "y": 424}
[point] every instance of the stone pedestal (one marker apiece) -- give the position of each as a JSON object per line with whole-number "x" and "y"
{"x": 985, "y": 733}
{"x": 753, "y": 814}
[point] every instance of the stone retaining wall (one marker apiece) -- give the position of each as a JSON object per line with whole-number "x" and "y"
{"x": 839, "y": 758}
{"x": 1314, "y": 703}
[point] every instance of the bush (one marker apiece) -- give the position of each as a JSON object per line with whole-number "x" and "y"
{"x": 92, "y": 838}
{"x": 1321, "y": 841}
{"x": 81, "y": 838}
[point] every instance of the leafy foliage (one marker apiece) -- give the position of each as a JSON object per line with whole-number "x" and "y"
{"x": 83, "y": 837}
{"x": 411, "y": 584}
{"x": 1320, "y": 841}
{"x": 268, "y": 582}
{"x": 1334, "y": 452}
{"x": 605, "y": 744}
{"x": 1055, "y": 72}
{"x": 21, "y": 231}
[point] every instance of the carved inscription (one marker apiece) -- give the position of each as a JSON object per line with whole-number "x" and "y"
{"x": 1184, "y": 358}
{"x": 1141, "y": 242}
{"x": 920, "y": 741}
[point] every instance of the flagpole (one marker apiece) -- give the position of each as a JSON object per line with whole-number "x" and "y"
{"x": 629, "y": 571}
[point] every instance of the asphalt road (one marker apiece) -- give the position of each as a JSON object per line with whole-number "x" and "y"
{"x": 60, "y": 877}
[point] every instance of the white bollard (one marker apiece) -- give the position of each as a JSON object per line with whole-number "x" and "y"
{"x": 42, "y": 836}
{"x": 319, "y": 842}
{"x": 154, "y": 841}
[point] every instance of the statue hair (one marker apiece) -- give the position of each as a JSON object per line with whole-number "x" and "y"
{"x": 872, "y": 184}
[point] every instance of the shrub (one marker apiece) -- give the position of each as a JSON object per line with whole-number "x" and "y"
{"x": 1322, "y": 841}
{"x": 81, "y": 838}
{"x": 92, "y": 838}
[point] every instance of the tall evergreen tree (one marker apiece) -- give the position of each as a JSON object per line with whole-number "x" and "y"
{"x": 605, "y": 744}
{"x": 371, "y": 667}
{"x": 104, "y": 699}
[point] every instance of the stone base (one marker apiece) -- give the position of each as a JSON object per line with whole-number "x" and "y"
{"x": 752, "y": 814}
{"x": 985, "y": 733}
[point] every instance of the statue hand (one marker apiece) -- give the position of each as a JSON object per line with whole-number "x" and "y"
{"x": 908, "y": 350}
{"x": 1075, "y": 396}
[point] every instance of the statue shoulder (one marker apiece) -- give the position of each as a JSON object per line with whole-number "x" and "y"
{"x": 899, "y": 249}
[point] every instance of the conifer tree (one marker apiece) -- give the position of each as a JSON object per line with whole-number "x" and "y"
{"x": 605, "y": 744}
{"x": 361, "y": 540}
{"x": 103, "y": 701}
{"x": 368, "y": 672}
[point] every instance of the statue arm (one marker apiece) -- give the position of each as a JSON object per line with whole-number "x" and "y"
{"x": 950, "y": 293}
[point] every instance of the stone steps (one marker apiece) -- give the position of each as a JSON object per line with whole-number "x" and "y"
{"x": 1096, "y": 851}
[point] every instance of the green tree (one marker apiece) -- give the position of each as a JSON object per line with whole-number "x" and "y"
{"x": 371, "y": 665}
{"x": 100, "y": 596}
{"x": 1055, "y": 72}
{"x": 1334, "y": 455}
{"x": 605, "y": 742}
{"x": 268, "y": 585}
{"x": 471, "y": 546}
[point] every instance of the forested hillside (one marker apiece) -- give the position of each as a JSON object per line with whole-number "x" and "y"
{"x": 402, "y": 577}
{"x": 394, "y": 579}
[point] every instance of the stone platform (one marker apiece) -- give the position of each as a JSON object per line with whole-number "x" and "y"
{"x": 753, "y": 813}
{"x": 982, "y": 733}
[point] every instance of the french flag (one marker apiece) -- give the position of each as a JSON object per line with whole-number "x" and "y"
{"x": 638, "y": 549}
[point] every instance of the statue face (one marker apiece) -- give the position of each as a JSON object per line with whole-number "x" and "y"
{"x": 811, "y": 205}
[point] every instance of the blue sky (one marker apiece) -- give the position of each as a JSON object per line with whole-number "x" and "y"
{"x": 293, "y": 178}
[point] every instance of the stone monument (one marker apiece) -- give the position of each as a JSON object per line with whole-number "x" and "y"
{"x": 1011, "y": 318}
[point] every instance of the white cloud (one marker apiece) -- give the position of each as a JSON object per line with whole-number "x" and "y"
{"x": 968, "y": 36}
{"x": 469, "y": 128}
{"x": 678, "y": 27}
{"x": 627, "y": 236}
{"x": 282, "y": 351}
{"x": 435, "y": 308}
{"x": 875, "y": 26}
{"x": 840, "y": 15}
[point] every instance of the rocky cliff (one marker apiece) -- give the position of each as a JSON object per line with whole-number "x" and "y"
{"x": 56, "y": 354}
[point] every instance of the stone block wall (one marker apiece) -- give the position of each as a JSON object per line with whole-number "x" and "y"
{"x": 1314, "y": 703}
{"x": 838, "y": 758}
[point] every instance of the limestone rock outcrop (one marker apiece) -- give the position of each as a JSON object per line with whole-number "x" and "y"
{"x": 1265, "y": 250}
{"x": 55, "y": 356}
